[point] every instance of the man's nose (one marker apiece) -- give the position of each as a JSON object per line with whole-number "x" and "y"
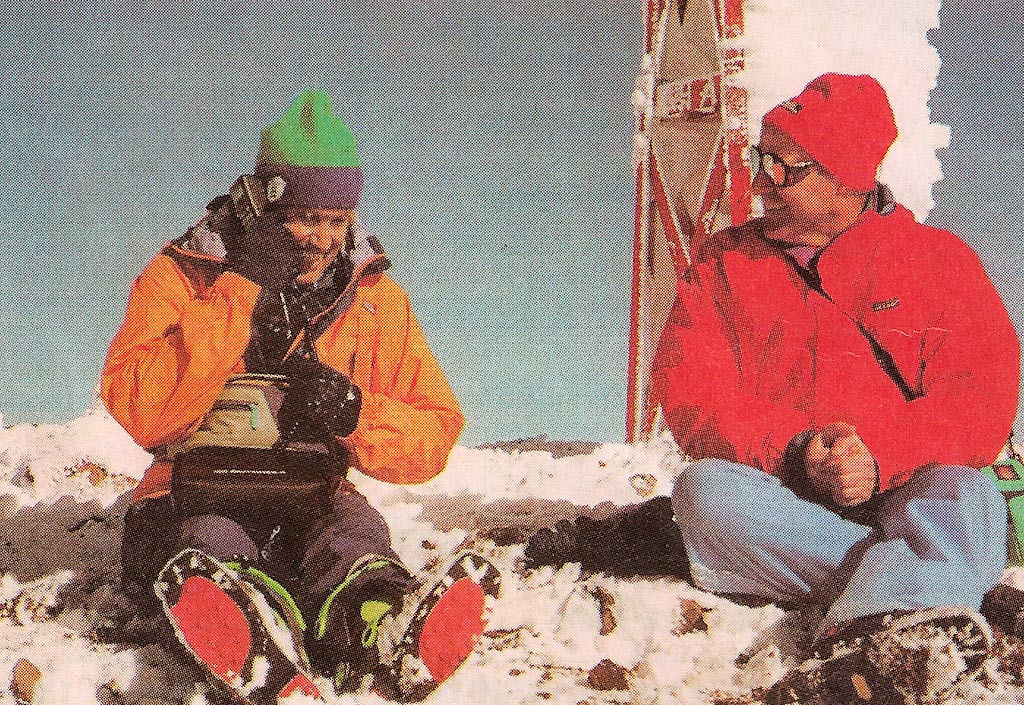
{"x": 318, "y": 235}
{"x": 321, "y": 236}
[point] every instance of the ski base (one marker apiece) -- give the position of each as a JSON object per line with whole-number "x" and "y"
{"x": 444, "y": 629}
{"x": 231, "y": 631}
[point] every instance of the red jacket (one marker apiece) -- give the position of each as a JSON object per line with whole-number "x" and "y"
{"x": 752, "y": 355}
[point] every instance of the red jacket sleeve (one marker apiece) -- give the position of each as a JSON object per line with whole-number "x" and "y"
{"x": 696, "y": 380}
{"x": 175, "y": 350}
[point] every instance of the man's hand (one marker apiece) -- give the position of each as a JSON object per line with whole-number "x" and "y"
{"x": 839, "y": 465}
{"x": 266, "y": 255}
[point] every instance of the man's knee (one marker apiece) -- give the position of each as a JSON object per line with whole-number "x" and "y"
{"x": 714, "y": 495}
{"x": 956, "y": 482}
{"x": 216, "y": 536}
{"x": 966, "y": 506}
{"x": 964, "y": 486}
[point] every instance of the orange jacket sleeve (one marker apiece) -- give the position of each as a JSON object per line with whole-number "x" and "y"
{"x": 175, "y": 349}
{"x": 410, "y": 419}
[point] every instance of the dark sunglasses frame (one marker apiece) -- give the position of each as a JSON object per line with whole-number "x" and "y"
{"x": 792, "y": 173}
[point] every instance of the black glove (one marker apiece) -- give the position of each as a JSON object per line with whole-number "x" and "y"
{"x": 640, "y": 539}
{"x": 265, "y": 254}
{"x": 320, "y": 403}
{"x": 794, "y": 469}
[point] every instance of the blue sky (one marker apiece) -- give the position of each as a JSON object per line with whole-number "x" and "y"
{"x": 495, "y": 137}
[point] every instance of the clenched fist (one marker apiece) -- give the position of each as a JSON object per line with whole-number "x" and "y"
{"x": 839, "y": 465}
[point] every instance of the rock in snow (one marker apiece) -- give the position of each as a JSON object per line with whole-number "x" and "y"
{"x": 554, "y": 636}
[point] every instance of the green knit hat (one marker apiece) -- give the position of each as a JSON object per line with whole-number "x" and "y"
{"x": 309, "y": 158}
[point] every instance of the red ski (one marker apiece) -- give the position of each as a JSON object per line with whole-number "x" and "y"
{"x": 444, "y": 629}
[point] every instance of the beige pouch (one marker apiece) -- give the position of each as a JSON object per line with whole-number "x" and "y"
{"x": 243, "y": 416}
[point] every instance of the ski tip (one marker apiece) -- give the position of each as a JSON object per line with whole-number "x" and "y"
{"x": 478, "y": 569}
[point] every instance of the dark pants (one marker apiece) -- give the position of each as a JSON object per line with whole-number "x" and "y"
{"x": 310, "y": 561}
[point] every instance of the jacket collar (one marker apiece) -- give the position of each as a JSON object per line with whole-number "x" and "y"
{"x": 880, "y": 203}
{"x": 368, "y": 255}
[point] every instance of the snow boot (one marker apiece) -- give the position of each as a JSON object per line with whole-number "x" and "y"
{"x": 1003, "y": 607}
{"x": 343, "y": 644}
{"x": 241, "y": 639}
{"x": 908, "y": 658}
{"x": 286, "y": 611}
{"x": 640, "y": 540}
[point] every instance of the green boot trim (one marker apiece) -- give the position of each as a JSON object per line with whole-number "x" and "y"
{"x": 372, "y": 612}
{"x": 321, "y": 622}
{"x": 341, "y": 677}
{"x": 1009, "y": 478}
{"x": 285, "y": 600}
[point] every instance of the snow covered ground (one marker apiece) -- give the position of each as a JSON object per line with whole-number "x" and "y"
{"x": 62, "y": 495}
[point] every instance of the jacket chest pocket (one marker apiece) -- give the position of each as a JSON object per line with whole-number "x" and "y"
{"x": 899, "y": 344}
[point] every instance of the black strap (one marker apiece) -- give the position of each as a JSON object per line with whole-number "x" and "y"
{"x": 888, "y": 365}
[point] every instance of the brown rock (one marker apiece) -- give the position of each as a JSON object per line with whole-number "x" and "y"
{"x": 606, "y": 602}
{"x": 644, "y": 484}
{"x": 24, "y": 680}
{"x": 607, "y": 675}
{"x": 692, "y": 618}
{"x": 96, "y": 473}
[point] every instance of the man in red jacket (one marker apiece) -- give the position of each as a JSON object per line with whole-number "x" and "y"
{"x": 838, "y": 372}
{"x": 841, "y": 371}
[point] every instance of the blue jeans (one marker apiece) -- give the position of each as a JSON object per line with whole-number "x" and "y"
{"x": 939, "y": 539}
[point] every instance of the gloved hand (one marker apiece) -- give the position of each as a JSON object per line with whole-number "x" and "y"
{"x": 320, "y": 403}
{"x": 266, "y": 254}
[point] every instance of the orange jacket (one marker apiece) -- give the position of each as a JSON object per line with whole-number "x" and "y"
{"x": 187, "y": 327}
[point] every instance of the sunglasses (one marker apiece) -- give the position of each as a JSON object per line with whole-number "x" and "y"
{"x": 777, "y": 171}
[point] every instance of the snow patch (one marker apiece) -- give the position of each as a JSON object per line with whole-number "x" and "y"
{"x": 62, "y": 606}
{"x": 91, "y": 457}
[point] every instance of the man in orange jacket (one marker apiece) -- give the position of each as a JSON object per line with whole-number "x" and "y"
{"x": 309, "y": 298}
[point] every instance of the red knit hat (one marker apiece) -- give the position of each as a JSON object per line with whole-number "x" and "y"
{"x": 844, "y": 122}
